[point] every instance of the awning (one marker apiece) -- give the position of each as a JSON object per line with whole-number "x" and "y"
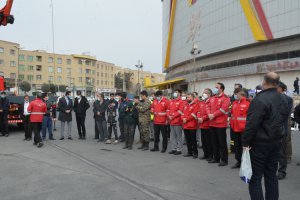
{"x": 84, "y": 57}
{"x": 165, "y": 84}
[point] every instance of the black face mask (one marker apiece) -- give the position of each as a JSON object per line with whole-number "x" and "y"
{"x": 189, "y": 101}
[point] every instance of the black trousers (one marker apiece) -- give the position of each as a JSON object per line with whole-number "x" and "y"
{"x": 112, "y": 127}
{"x": 129, "y": 130}
{"x": 168, "y": 131}
{"x": 121, "y": 125}
{"x": 219, "y": 139}
{"x": 96, "y": 131}
{"x": 4, "y": 123}
{"x": 37, "y": 127}
{"x": 238, "y": 146}
{"x": 283, "y": 157}
{"x": 264, "y": 161}
{"x": 206, "y": 143}
{"x": 232, "y": 140}
{"x": 191, "y": 141}
{"x": 163, "y": 130}
{"x": 80, "y": 120}
{"x": 296, "y": 89}
{"x": 27, "y": 127}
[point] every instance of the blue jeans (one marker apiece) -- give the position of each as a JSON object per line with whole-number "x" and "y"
{"x": 264, "y": 160}
{"x": 47, "y": 124}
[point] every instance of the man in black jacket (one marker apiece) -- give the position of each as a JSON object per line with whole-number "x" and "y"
{"x": 99, "y": 109}
{"x": 296, "y": 86}
{"x": 81, "y": 104}
{"x": 65, "y": 106}
{"x": 4, "y": 110}
{"x": 263, "y": 134}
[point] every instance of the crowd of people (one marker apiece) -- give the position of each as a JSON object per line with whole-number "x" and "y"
{"x": 261, "y": 123}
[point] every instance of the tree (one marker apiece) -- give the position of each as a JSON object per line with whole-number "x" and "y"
{"x": 128, "y": 81}
{"x": 119, "y": 81}
{"x": 53, "y": 88}
{"x": 62, "y": 88}
{"x": 25, "y": 86}
{"x": 45, "y": 87}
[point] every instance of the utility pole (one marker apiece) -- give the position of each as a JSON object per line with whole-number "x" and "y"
{"x": 139, "y": 66}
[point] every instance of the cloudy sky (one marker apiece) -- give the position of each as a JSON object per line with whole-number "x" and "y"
{"x": 117, "y": 31}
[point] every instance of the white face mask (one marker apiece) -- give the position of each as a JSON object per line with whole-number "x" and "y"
{"x": 183, "y": 98}
{"x": 204, "y": 96}
{"x": 158, "y": 98}
{"x": 175, "y": 95}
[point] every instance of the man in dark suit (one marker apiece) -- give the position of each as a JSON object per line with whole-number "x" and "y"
{"x": 4, "y": 110}
{"x": 65, "y": 106}
{"x": 25, "y": 115}
{"x": 99, "y": 109}
{"x": 81, "y": 105}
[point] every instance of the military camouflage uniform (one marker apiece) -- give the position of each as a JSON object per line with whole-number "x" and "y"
{"x": 144, "y": 119}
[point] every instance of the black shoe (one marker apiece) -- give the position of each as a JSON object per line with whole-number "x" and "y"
{"x": 70, "y": 138}
{"x": 95, "y": 138}
{"x": 29, "y": 139}
{"x": 188, "y": 155}
{"x": 129, "y": 148}
{"x": 203, "y": 158}
{"x": 281, "y": 176}
{"x": 83, "y": 138}
{"x": 121, "y": 140}
{"x": 6, "y": 135}
{"x": 177, "y": 153}
{"x": 35, "y": 143}
{"x": 163, "y": 151}
{"x": 1, "y": 135}
{"x": 154, "y": 149}
{"x": 62, "y": 138}
{"x": 209, "y": 159}
{"x": 40, "y": 144}
{"x": 213, "y": 161}
{"x": 195, "y": 156}
{"x": 172, "y": 152}
{"x": 146, "y": 147}
{"x": 298, "y": 164}
{"x": 236, "y": 166}
{"x": 54, "y": 129}
{"x": 222, "y": 164}
{"x": 25, "y": 139}
{"x": 80, "y": 138}
{"x": 44, "y": 139}
{"x": 142, "y": 146}
{"x": 125, "y": 147}
{"x": 52, "y": 138}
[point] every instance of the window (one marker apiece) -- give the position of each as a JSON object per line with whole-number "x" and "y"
{"x": 13, "y": 63}
{"x": 50, "y": 60}
{"x": 22, "y": 67}
{"x": 80, "y": 79}
{"x": 98, "y": 74}
{"x": 12, "y": 75}
{"x": 21, "y": 57}
{"x": 50, "y": 69}
{"x": 12, "y": 52}
{"x": 1, "y": 50}
{"x": 30, "y": 68}
{"x": 69, "y": 62}
{"x": 39, "y": 68}
{"x": 93, "y": 72}
{"x": 50, "y": 78}
{"x": 38, "y": 77}
{"x": 88, "y": 62}
{"x": 59, "y": 70}
{"x": 1, "y": 62}
{"x": 59, "y": 79}
{"x": 87, "y": 71}
{"x": 79, "y": 70}
{"x": 59, "y": 61}
{"x": 30, "y": 77}
{"x": 80, "y": 62}
{"x": 21, "y": 77}
{"x": 39, "y": 58}
{"x": 30, "y": 58}
{"x": 93, "y": 63}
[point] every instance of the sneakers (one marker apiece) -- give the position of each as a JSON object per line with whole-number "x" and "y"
{"x": 62, "y": 138}
{"x": 172, "y": 152}
{"x": 70, "y": 138}
{"x": 40, "y": 144}
{"x": 222, "y": 164}
{"x": 116, "y": 142}
{"x": 52, "y": 138}
{"x": 154, "y": 149}
{"x": 177, "y": 153}
{"x": 108, "y": 142}
{"x": 163, "y": 151}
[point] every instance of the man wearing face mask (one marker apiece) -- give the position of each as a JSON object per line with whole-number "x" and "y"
{"x": 4, "y": 109}
{"x": 175, "y": 111}
{"x": 238, "y": 122}
{"x": 203, "y": 121}
{"x": 159, "y": 109}
{"x": 218, "y": 115}
{"x": 81, "y": 105}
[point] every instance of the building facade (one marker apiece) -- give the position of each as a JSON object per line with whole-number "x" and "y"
{"x": 233, "y": 41}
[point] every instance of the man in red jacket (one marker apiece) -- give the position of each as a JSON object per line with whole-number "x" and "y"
{"x": 175, "y": 111}
{"x": 238, "y": 122}
{"x": 159, "y": 109}
{"x": 203, "y": 121}
{"x": 218, "y": 115}
{"x": 190, "y": 125}
{"x": 37, "y": 109}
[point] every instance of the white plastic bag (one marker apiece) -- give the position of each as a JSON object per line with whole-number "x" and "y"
{"x": 246, "y": 168}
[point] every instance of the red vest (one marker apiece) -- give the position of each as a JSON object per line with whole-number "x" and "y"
{"x": 190, "y": 114}
{"x": 239, "y": 115}
{"x": 37, "y": 108}
{"x": 202, "y": 113}
{"x": 159, "y": 109}
{"x": 219, "y": 107}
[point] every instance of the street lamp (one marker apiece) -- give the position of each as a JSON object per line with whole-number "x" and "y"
{"x": 139, "y": 66}
{"x": 194, "y": 52}
{"x": 17, "y": 75}
{"x": 83, "y": 78}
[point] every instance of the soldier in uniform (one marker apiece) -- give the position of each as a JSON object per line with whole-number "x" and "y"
{"x": 144, "y": 108}
{"x": 111, "y": 119}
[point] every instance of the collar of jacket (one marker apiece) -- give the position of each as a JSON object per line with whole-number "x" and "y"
{"x": 243, "y": 99}
{"x": 268, "y": 90}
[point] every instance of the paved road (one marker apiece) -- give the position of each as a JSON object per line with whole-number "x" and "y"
{"x": 76, "y": 170}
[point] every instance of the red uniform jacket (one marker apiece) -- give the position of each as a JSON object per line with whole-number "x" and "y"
{"x": 190, "y": 114}
{"x": 219, "y": 107}
{"x": 202, "y": 113}
{"x": 239, "y": 114}
{"x": 37, "y": 108}
{"x": 159, "y": 109}
{"x": 175, "y": 111}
